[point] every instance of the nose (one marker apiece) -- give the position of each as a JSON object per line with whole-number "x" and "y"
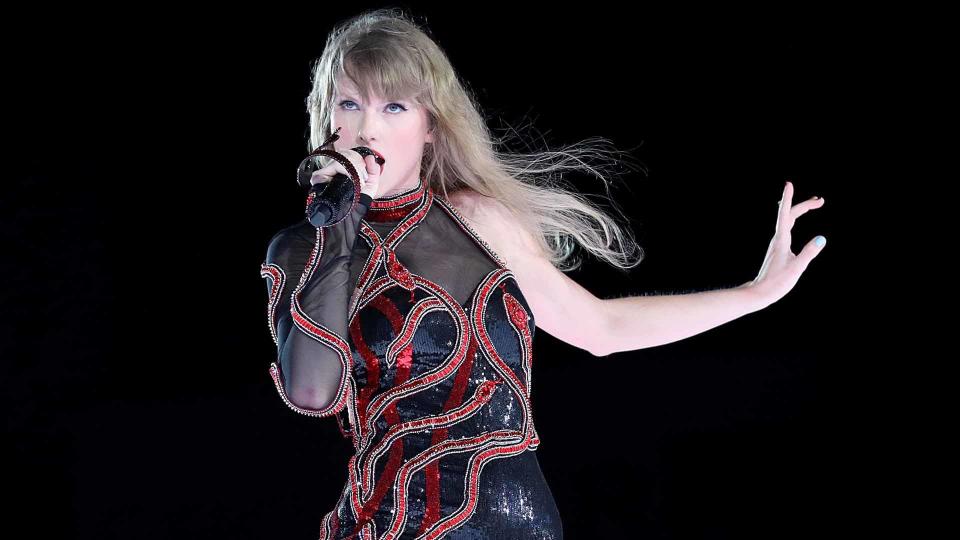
{"x": 368, "y": 129}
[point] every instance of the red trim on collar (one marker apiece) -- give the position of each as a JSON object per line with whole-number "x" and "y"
{"x": 398, "y": 206}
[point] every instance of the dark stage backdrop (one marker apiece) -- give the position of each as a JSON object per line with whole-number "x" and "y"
{"x": 154, "y": 159}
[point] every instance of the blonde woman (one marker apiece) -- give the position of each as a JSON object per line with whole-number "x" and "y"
{"x": 411, "y": 321}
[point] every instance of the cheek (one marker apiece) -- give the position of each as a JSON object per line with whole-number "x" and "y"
{"x": 407, "y": 149}
{"x": 344, "y": 123}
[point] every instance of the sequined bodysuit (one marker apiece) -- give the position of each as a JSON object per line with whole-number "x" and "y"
{"x": 431, "y": 358}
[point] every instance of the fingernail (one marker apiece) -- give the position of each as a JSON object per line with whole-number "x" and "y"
{"x": 819, "y": 240}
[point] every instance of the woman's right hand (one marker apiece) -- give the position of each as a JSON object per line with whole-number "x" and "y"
{"x": 368, "y": 169}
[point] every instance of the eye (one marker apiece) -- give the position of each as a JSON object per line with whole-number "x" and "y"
{"x": 343, "y": 104}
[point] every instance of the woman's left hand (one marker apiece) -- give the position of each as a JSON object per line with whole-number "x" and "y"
{"x": 781, "y": 268}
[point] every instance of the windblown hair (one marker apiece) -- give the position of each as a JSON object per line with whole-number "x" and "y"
{"x": 388, "y": 53}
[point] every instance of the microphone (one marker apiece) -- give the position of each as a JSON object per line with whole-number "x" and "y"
{"x": 328, "y": 203}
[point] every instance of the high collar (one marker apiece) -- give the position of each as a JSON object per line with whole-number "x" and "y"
{"x": 398, "y": 206}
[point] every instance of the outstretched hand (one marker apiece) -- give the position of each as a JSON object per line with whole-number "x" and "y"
{"x": 781, "y": 268}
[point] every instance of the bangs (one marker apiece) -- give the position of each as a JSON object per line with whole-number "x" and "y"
{"x": 384, "y": 70}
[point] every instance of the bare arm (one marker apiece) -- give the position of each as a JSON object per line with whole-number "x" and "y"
{"x": 638, "y": 322}
{"x": 571, "y": 313}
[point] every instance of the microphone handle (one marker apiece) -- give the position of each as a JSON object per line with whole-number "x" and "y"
{"x": 329, "y": 202}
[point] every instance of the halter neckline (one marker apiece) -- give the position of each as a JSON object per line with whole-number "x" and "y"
{"x": 399, "y": 205}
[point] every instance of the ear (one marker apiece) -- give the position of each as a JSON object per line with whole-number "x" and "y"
{"x": 433, "y": 126}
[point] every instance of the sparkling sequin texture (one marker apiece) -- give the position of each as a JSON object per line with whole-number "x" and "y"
{"x": 436, "y": 357}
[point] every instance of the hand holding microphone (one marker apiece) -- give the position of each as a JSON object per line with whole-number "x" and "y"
{"x": 335, "y": 189}
{"x": 366, "y": 165}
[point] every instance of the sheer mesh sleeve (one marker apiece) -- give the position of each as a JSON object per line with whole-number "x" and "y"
{"x": 309, "y": 290}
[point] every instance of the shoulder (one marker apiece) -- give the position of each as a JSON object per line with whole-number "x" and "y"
{"x": 465, "y": 200}
{"x": 497, "y": 224}
{"x": 292, "y": 241}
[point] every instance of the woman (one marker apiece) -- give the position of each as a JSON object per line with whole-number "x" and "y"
{"x": 411, "y": 320}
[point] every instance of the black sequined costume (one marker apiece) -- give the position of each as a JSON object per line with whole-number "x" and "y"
{"x": 432, "y": 359}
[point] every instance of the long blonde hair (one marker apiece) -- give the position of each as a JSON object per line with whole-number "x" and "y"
{"x": 387, "y": 52}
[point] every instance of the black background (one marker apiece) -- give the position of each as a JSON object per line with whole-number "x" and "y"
{"x": 154, "y": 158}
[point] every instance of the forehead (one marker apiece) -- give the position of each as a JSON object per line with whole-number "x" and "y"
{"x": 346, "y": 87}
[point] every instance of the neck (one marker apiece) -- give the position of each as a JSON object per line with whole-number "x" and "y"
{"x": 398, "y": 205}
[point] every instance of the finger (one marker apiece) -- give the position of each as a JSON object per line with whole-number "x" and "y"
{"x": 783, "y": 211}
{"x": 373, "y": 167}
{"x": 359, "y": 163}
{"x": 807, "y": 205}
{"x": 326, "y": 174}
{"x": 318, "y": 177}
{"x": 786, "y": 200}
{"x": 335, "y": 167}
{"x": 811, "y": 250}
{"x": 366, "y": 166}
{"x": 361, "y": 166}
